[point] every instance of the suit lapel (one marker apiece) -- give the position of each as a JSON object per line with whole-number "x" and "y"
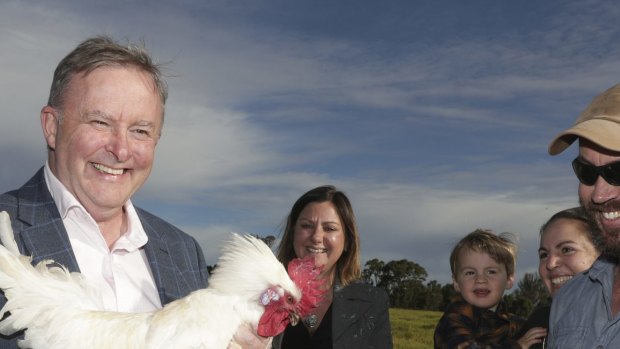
{"x": 168, "y": 278}
{"x": 43, "y": 235}
{"x": 349, "y": 308}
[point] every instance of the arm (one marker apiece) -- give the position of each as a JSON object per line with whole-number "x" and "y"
{"x": 382, "y": 333}
{"x": 532, "y": 336}
{"x": 534, "y": 330}
{"x": 246, "y": 338}
{"x": 360, "y": 317}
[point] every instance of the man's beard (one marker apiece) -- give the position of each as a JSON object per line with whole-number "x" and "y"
{"x": 607, "y": 241}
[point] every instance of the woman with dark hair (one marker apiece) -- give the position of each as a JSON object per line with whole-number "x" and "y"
{"x": 352, "y": 314}
{"x": 567, "y": 247}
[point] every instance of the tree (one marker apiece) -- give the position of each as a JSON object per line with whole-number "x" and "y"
{"x": 373, "y": 272}
{"x": 433, "y": 299}
{"x": 530, "y": 293}
{"x": 448, "y": 294}
{"x": 404, "y": 281}
{"x": 532, "y": 286}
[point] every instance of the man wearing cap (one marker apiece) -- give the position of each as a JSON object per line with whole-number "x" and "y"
{"x": 585, "y": 313}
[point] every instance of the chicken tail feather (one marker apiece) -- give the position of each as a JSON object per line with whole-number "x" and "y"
{"x": 40, "y": 297}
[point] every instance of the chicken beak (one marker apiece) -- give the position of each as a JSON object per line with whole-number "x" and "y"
{"x": 294, "y": 318}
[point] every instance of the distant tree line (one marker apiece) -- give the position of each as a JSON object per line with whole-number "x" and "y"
{"x": 406, "y": 284}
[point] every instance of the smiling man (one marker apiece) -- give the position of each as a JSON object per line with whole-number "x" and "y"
{"x": 585, "y": 312}
{"x": 101, "y": 124}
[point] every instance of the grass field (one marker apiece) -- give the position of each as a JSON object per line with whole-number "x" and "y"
{"x": 413, "y": 329}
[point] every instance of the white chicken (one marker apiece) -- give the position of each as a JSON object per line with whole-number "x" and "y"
{"x": 60, "y": 310}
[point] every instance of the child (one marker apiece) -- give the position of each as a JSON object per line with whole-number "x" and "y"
{"x": 483, "y": 266}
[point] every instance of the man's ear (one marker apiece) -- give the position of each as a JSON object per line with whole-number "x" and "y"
{"x": 50, "y": 118}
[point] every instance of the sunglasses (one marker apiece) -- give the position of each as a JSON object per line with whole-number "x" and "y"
{"x": 588, "y": 174}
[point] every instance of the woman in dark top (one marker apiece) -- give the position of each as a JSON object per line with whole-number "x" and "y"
{"x": 566, "y": 248}
{"x": 352, "y": 314}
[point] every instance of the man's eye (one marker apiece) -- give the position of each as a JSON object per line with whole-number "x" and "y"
{"x": 99, "y": 123}
{"x": 142, "y": 132}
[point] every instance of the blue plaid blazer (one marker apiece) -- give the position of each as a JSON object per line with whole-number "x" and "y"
{"x": 175, "y": 258}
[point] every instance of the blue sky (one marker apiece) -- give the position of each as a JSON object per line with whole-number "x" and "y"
{"x": 433, "y": 116}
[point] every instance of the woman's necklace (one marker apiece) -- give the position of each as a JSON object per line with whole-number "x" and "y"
{"x": 311, "y": 321}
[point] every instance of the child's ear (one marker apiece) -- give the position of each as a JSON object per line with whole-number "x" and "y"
{"x": 510, "y": 282}
{"x": 455, "y": 284}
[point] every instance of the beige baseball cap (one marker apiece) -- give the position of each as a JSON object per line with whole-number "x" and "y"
{"x": 599, "y": 123}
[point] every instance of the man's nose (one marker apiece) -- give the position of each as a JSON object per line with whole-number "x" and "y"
{"x": 118, "y": 145}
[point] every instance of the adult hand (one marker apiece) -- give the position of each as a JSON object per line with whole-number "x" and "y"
{"x": 247, "y": 338}
{"x": 532, "y": 336}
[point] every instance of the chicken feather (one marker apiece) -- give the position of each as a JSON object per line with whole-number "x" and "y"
{"x": 61, "y": 310}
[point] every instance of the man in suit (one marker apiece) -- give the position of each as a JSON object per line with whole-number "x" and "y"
{"x": 101, "y": 124}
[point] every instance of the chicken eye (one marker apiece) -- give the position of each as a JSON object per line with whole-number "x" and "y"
{"x": 289, "y": 299}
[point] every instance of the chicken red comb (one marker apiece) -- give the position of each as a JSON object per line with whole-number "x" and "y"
{"x": 306, "y": 276}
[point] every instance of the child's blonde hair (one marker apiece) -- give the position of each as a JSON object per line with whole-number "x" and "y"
{"x": 502, "y": 248}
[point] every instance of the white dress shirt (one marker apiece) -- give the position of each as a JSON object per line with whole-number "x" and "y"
{"x": 121, "y": 274}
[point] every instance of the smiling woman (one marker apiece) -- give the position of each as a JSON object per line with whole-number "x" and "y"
{"x": 352, "y": 314}
{"x": 567, "y": 248}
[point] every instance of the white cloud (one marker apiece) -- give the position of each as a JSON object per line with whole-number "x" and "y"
{"x": 201, "y": 147}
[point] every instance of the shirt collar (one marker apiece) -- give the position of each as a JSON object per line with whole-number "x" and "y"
{"x": 134, "y": 238}
{"x": 602, "y": 269}
{"x": 63, "y": 199}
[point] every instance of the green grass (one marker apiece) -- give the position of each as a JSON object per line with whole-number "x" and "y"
{"x": 413, "y": 329}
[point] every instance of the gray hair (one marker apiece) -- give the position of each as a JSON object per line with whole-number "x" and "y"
{"x": 102, "y": 51}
